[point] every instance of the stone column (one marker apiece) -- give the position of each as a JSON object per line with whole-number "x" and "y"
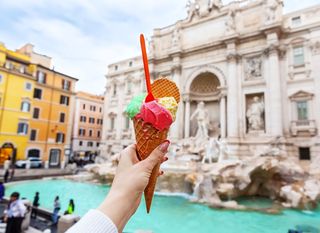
{"x": 315, "y": 51}
{"x": 232, "y": 104}
{"x": 176, "y": 75}
{"x": 187, "y": 119}
{"x": 119, "y": 120}
{"x": 275, "y": 118}
{"x": 223, "y": 132}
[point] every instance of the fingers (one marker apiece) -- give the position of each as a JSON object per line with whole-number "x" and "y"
{"x": 156, "y": 156}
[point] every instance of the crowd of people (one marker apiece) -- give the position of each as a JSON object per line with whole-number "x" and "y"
{"x": 16, "y": 210}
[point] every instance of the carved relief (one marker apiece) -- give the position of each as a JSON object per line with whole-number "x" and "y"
{"x": 315, "y": 48}
{"x": 175, "y": 38}
{"x": 230, "y": 23}
{"x": 253, "y": 68}
{"x": 271, "y": 10}
{"x": 193, "y": 9}
{"x": 202, "y": 8}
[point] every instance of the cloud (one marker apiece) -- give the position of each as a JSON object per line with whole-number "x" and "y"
{"x": 84, "y": 36}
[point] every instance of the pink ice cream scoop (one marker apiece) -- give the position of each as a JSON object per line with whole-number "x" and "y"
{"x": 155, "y": 114}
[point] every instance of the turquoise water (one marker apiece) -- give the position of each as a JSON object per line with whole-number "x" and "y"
{"x": 169, "y": 214}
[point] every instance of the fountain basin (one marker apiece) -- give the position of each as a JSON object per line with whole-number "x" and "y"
{"x": 169, "y": 214}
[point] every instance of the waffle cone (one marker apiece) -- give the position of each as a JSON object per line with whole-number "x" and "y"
{"x": 148, "y": 138}
{"x": 163, "y": 87}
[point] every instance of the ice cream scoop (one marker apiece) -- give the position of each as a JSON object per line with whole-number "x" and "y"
{"x": 170, "y": 104}
{"x": 135, "y": 105}
{"x": 155, "y": 114}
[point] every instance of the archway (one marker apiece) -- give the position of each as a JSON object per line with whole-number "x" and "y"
{"x": 34, "y": 153}
{"x": 205, "y": 88}
{"x": 7, "y": 152}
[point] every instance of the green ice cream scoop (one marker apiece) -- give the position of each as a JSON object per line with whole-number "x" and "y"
{"x": 135, "y": 105}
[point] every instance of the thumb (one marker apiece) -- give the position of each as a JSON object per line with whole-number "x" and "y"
{"x": 156, "y": 155}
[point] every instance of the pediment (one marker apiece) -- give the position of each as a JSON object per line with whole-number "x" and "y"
{"x": 301, "y": 95}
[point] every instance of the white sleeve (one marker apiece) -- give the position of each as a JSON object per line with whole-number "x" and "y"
{"x": 94, "y": 222}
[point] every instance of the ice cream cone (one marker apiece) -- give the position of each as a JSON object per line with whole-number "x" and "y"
{"x": 148, "y": 137}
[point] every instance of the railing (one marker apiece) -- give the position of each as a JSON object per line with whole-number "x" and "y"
{"x": 299, "y": 126}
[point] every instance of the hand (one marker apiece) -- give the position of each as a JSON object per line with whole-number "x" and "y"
{"x": 131, "y": 179}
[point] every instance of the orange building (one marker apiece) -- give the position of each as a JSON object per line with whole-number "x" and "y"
{"x": 87, "y": 125}
{"x": 52, "y": 111}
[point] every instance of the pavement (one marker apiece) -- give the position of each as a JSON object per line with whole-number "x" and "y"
{"x": 28, "y": 174}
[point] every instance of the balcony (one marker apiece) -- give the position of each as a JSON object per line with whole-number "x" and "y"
{"x": 303, "y": 127}
{"x": 126, "y": 134}
{"x": 111, "y": 135}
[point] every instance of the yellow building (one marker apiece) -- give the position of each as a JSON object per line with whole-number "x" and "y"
{"x": 52, "y": 111}
{"x": 16, "y": 97}
{"x": 36, "y": 107}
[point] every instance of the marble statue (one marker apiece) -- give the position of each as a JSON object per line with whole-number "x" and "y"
{"x": 151, "y": 47}
{"x": 230, "y": 22}
{"x": 253, "y": 68}
{"x": 175, "y": 37}
{"x": 223, "y": 150}
{"x": 211, "y": 152}
{"x": 255, "y": 115}
{"x": 215, "y": 4}
{"x": 271, "y": 10}
{"x": 193, "y": 9}
{"x": 202, "y": 117}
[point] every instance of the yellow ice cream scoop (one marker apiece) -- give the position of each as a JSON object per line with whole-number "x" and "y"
{"x": 170, "y": 104}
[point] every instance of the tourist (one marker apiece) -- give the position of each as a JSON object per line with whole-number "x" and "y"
{"x": 35, "y": 206}
{"x": 70, "y": 208}
{"x": 6, "y": 176}
{"x": 56, "y": 209}
{"x": 2, "y": 191}
{"x": 14, "y": 214}
{"x": 125, "y": 194}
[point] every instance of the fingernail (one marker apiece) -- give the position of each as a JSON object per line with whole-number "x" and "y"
{"x": 164, "y": 146}
{"x": 166, "y": 158}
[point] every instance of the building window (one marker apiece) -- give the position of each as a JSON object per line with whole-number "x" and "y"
{"x": 22, "y": 69}
{"x": 62, "y": 117}
{"x": 92, "y": 108}
{"x": 60, "y": 138}
{"x": 112, "y": 123}
{"x": 98, "y": 133}
{"x": 25, "y": 106}
{"x": 83, "y": 118}
{"x": 64, "y": 100}
{"x": 90, "y": 144}
{"x": 33, "y": 135}
{"x": 129, "y": 87}
{"x": 23, "y": 128}
{"x": 83, "y": 106}
{"x": 54, "y": 158}
{"x": 9, "y": 65}
{"x": 114, "y": 89}
{"x": 101, "y": 121}
{"x": 298, "y": 56}
{"x": 115, "y": 67}
{"x": 28, "y": 86}
{"x": 90, "y": 133}
{"x": 302, "y": 110}
{"x": 1, "y": 78}
{"x": 82, "y": 132}
{"x": 66, "y": 85}
{"x": 127, "y": 122}
{"x": 304, "y": 153}
{"x": 296, "y": 21}
{"x": 37, "y": 93}
{"x": 98, "y": 144}
{"x": 91, "y": 120}
{"x": 36, "y": 113}
{"x": 41, "y": 77}
{"x": 100, "y": 109}
{"x": 80, "y": 143}
{"x": 130, "y": 63}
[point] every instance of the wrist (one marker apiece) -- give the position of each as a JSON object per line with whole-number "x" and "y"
{"x": 117, "y": 207}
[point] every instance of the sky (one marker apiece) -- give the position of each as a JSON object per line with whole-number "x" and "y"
{"x": 84, "y": 36}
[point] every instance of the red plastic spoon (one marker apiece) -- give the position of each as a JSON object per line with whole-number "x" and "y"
{"x": 149, "y": 97}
